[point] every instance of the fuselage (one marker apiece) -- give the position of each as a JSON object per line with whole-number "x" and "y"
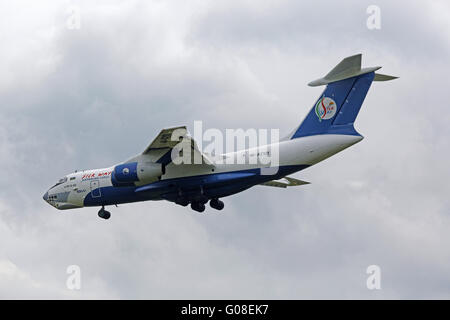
{"x": 157, "y": 173}
{"x": 194, "y": 182}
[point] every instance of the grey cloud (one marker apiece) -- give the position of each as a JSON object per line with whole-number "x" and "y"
{"x": 107, "y": 89}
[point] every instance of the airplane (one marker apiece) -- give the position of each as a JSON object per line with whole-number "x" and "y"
{"x": 152, "y": 175}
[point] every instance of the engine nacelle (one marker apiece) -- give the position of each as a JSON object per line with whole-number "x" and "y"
{"x": 128, "y": 174}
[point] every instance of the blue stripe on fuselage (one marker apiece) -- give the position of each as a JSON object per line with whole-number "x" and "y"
{"x": 213, "y": 186}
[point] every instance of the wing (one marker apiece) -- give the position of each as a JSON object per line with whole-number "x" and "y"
{"x": 161, "y": 147}
{"x": 284, "y": 182}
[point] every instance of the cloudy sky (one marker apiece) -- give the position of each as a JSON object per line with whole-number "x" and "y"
{"x": 88, "y": 97}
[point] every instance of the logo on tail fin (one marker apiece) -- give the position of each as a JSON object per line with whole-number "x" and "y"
{"x": 325, "y": 108}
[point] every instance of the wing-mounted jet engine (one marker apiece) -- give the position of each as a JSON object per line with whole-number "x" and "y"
{"x": 136, "y": 173}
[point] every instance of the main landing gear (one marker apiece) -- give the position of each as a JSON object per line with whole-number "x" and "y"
{"x": 216, "y": 204}
{"x": 200, "y": 206}
{"x": 104, "y": 214}
{"x": 182, "y": 202}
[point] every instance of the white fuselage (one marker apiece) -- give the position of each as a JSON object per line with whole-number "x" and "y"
{"x": 309, "y": 150}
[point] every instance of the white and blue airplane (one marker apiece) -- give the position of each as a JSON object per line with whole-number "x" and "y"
{"x": 152, "y": 175}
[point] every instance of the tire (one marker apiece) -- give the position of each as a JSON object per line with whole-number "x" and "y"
{"x": 183, "y": 203}
{"x": 216, "y": 204}
{"x": 104, "y": 214}
{"x": 107, "y": 215}
{"x": 199, "y": 207}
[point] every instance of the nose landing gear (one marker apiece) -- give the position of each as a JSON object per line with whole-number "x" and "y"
{"x": 102, "y": 213}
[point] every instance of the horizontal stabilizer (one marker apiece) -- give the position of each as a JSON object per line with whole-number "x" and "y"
{"x": 383, "y": 77}
{"x": 284, "y": 183}
{"x": 348, "y": 68}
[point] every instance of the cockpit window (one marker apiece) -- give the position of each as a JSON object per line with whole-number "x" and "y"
{"x": 62, "y": 180}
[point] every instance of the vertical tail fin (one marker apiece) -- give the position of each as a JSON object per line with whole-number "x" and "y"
{"x": 337, "y": 107}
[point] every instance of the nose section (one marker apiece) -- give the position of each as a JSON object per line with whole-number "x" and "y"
{"x": 45, "y": 196}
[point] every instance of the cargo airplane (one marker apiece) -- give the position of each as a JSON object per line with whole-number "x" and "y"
{"x": 153, "y": 175}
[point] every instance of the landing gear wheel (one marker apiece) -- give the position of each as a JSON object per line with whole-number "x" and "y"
{"x": 183, "y": 202}
{"x": 104, "y": 214}
{"x": 216, "y": 204}
{"x": 198, "y": 206}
